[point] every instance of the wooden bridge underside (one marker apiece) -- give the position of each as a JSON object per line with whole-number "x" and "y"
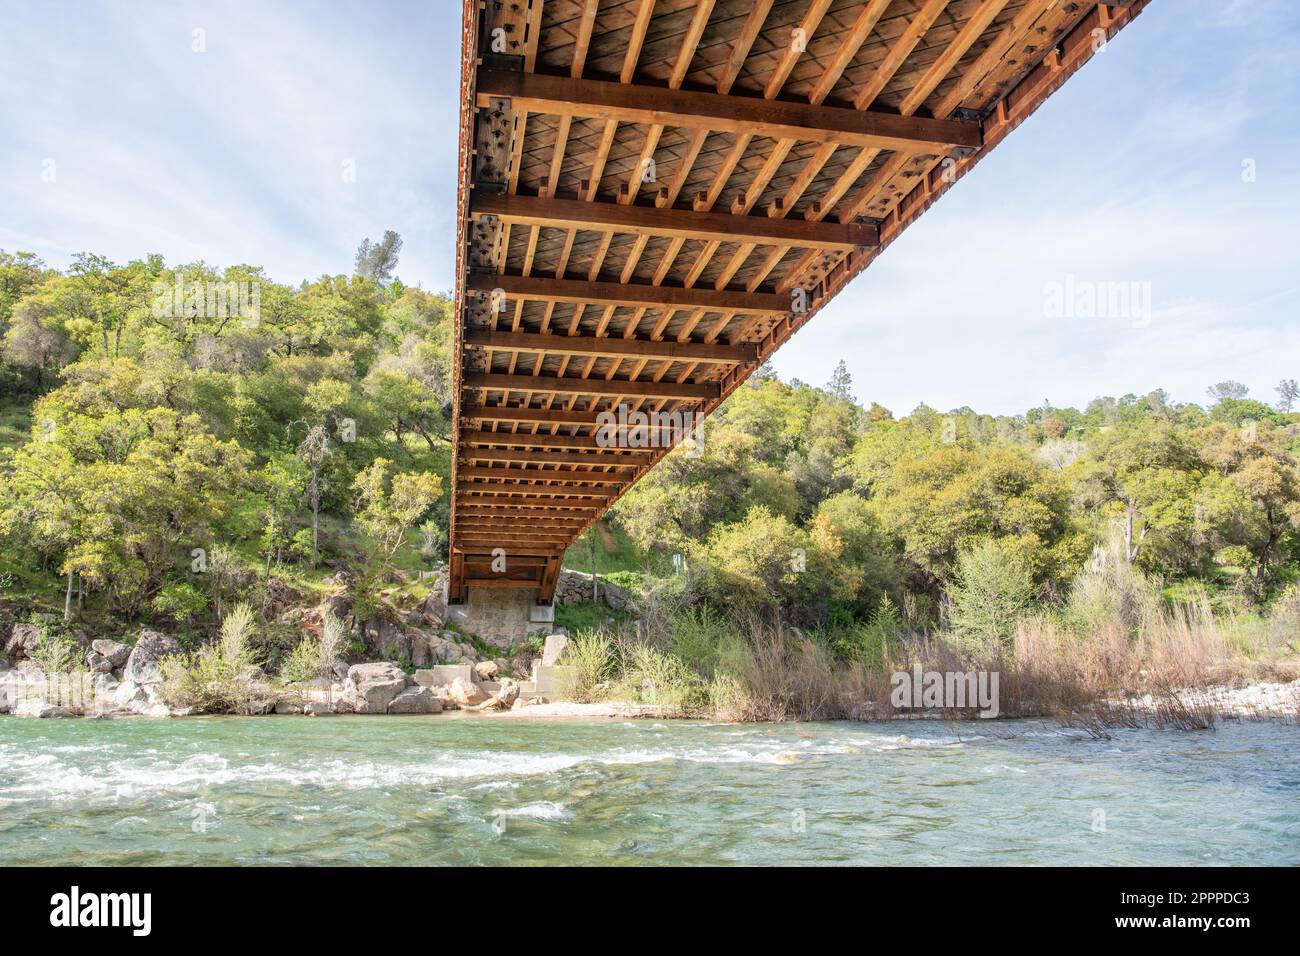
{"x": 655, "y": 194}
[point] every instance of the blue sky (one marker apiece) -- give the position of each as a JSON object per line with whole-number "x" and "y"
{"x": 1130, "y": 174}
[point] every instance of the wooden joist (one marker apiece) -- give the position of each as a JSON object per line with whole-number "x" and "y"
{"x": 482, "y": 438}
{"x": 539, "y": 289}
{"x": 584, "y": 476}
{"x": 497, "y": 382}
{"x": 673, "y": 223}
{"x": 466, "y": 511}
{"x": 586, "y": 504}
{"x": 554, "y": 456}
{"x": 693, "y": 109}
{"x": 668, "y": 351}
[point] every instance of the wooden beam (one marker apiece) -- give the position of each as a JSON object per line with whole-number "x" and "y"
{"x": 683, "y": 223}
{"x": 468, "y": 511}
{"x": 670, "y": 350}
{"x": 848, "y": 49}
{"x": 519, "y": 525}
{"x": 693, "y": 109}
{"x": 539, "y": 416}
{"x": 555, "y": 456}
{"x": 759, "y": 9}
{"x": 517, "y": 584}
{"x": 524, "y": 561}
{"x": 578, "y": 496}
{"x": 588, "y": 386}
{"x": 586, "y": 476}
{"x": 487, "y": 439}
{"x": 898, "y": 54}
{"x": 790, "y": 56}
{"x": 519, "y": 501}
{"x": 576, "y": 291}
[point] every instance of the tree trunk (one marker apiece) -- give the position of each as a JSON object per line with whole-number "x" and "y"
{"x": 67, "y": 599}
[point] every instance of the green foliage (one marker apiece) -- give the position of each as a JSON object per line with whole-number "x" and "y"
{"x": 581, "y": 617}
{"x": 990, "y": 591}
{"x": 180, "y": 601}
{"x": 221, "y": 677}
{"x": 868, "y": 644}
{"x": 592, "y": 665}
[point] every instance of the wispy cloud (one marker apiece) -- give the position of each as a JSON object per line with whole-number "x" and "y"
{"x": 1133, "y": 172}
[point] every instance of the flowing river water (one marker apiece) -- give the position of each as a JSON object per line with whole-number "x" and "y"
{"x": 409, "y": 790}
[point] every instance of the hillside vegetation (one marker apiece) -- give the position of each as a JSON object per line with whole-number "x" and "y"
{"x": 175, "y": 438}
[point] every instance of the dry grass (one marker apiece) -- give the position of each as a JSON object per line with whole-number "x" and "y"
{"x": 1146, "y": 664}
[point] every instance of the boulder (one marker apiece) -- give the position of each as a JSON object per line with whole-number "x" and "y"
{"x": 4, "y": 700}
{"x": 23, "y": 641}
{"x": 466, "y": 693}
{"x": 38, "y": 708}
{"x": 288, "y": 705}
{"x": 127, "y": 694}
{"x": 142, "y": 664}
{"x": 105, "y": 686}
{"x": 376, "y": 685}
{"x": 415, "y": 700}
{"x": 423, "y": 651}
{"x": 340, "y": 605}
{"x": 486, "y": 670}
{"x": 554, "y": 649}
{"x": 151, "y": 710}
{"x": 508, "y": 693}
{"x": 98, "y": 663}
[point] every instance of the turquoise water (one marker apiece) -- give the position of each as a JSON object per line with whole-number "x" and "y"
{"x": 394, "y": 790}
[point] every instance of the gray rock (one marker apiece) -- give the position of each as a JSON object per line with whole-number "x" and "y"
{"x": 415, "y": 700}
{"x": 23, "y": 641}
{"x": 4, "y": 700}
{"x": 142, "y": 665}
{"x": 486, "y": 670}
{"x": 423, "y": 652}
{"x": 116, "y": 652}
{"x": 508, "y": 693}
{"x": 106, "y": 686}
{"x": 376, "y": 685}
{"x": 98, "y": 663}
{"x": 38, "y": 708}
{"x": 466, "y": 693}
{"x": 287, "y": 705}
{"x": 318, "y": 708}
{"x": 142, "y": 709}
{"x": 554, "y": 649}
{"x": 127, "y": 694}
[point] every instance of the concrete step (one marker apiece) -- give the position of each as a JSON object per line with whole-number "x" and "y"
{"x": 551, "y": 679}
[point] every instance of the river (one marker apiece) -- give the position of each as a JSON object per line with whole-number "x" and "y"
{"x": 411, "y": 790}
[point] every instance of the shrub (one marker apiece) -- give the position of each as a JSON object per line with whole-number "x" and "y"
{"x": 990, "y": 591}
{"x": 867, "y": 644}
{"x": 219, "y": 677}
{"x": 592, "y": 662}
{"x": 181, "y": 601}
{"x": 1111, "y": 594}
{"x": 654, "y": 677}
